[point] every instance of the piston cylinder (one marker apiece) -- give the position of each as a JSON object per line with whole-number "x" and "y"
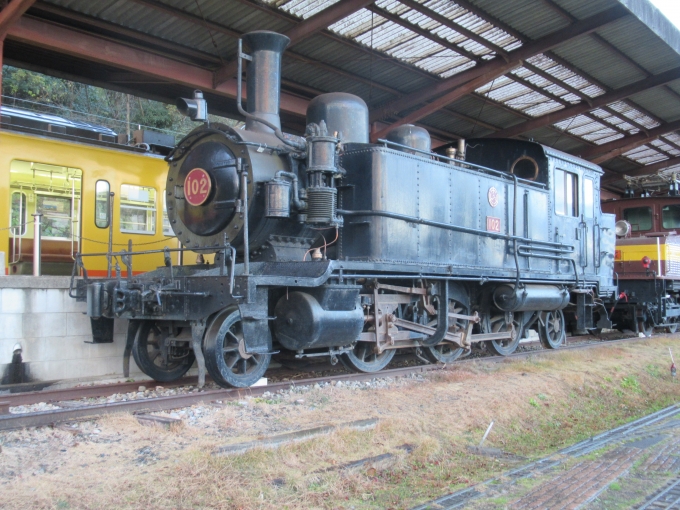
{"x": 302, "y": 323}
{"x": 527, "y": 298}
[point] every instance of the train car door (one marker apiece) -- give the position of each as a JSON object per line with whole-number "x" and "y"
{"x": 569, "y": 227}
{"x": 54, "y": 192}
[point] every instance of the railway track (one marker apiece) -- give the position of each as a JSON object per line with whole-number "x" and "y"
{"x": 154, "y": 404}
{"x": 668, "y": 497}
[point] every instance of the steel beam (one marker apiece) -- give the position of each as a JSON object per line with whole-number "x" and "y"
{"x": 645, "y": 170}
{"x": 303, "y": 30}
{"x": 102, "y": 27}
{"x": 599, "y": 153}
{"x": 11, "y": 13}
{"x": 446, "y": 99}
{"x": 595, "y": 102}
{"x": 71, "y": 42}
{"x": 452, "y": 87}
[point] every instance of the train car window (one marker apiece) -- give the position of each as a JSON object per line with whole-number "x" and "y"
{"x": 670, "y": 216}
{"x": 167, "y": 229}
{"x": 137, "y": 209}
{"x": 56, "y": 220}
{"x": 102, "y": 204}
{"x": 566, "y": 193}
{"x": 51, "y": 190}
{"x": 18, "y": 213}
{"x": 640, "y": 218}
{"x": 588, "y": 198}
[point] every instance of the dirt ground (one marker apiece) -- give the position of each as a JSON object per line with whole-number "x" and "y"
{"x": 425, "y": 424}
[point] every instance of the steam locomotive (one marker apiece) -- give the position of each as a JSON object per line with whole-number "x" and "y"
{"x": 328, "y": 245}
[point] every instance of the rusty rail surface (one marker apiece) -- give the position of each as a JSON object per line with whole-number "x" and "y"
{"x": 43, "y": 418}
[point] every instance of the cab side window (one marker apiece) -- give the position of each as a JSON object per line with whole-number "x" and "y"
{"x": 588, "y": 198}
{"x": 566, "y": 193}
{"x": 670, "y": 216}
{"x": 640, "y": 218}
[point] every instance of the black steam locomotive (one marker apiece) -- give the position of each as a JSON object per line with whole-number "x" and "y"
{"x": 328, "y": 245}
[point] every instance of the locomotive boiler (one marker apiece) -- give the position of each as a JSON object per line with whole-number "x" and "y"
{"x": 328, "y": 245}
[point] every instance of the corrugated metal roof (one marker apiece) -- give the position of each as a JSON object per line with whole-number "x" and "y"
{"x": 383, "y": 59}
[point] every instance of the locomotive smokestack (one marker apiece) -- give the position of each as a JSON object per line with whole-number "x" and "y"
{"x": 264, "y": 78}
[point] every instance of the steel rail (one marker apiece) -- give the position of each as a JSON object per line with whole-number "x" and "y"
{"x": 21, "y": 398}
{"x": 43, "y": 418}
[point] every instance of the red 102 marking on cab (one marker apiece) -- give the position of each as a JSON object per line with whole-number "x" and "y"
{"x": 197, "y": 186}
{"x": 493, "y": 224}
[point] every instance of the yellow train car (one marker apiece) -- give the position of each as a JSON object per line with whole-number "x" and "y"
{"x": 88, "y": 189}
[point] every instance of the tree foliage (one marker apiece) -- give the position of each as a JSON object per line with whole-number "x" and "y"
{"x": 78, "y": 101}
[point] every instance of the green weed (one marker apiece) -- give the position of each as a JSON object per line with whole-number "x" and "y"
{"x": 631, "y": 383}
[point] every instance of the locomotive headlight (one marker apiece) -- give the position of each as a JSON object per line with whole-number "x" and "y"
{"x": 196, "y": 108}
{"x": 622, "y": 228}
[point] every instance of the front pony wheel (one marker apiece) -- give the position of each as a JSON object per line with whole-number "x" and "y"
{"x": 226, "y": 358}
{"x": 157, "y": 357}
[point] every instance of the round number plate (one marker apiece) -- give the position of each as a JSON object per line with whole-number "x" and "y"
{"x": 197, "y": 186}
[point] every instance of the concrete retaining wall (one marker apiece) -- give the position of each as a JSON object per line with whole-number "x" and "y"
{"x": 52, "y": 328}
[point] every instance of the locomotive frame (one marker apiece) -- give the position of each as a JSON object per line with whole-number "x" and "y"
{"x": 431, "y": 253}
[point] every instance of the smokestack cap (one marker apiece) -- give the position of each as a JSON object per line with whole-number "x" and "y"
{"x": 266, "y": 40}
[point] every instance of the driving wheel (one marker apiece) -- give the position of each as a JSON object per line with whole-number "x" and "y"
{"x": 497, "y": 323}
{"x": 226, "y": 358}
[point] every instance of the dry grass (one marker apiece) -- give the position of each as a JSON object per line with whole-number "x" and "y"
{"x": 538, "y": 405}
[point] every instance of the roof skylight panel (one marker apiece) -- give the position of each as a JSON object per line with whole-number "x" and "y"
{"x": 633, "y": 114}
{"x": 573, "y": 122}
{"x": 444, "y": 62}
{"x": 645, "y": 155}
{"x": 551, "y": 87}
{"x": 614, "y": 120}
{"x": 566, "y": 76}
{"x": 302, "y": 8}
{"x": 544, "y": 108}
{"x": 433, "y": 26}
{"x": 457, "y": 69}
{"x": 588, "y": 129}
{"x": 357, "y": 23}
{"x": 384, "y": 36}
{"x": 472, "y": 22}
{"x": 661, "y": 144}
